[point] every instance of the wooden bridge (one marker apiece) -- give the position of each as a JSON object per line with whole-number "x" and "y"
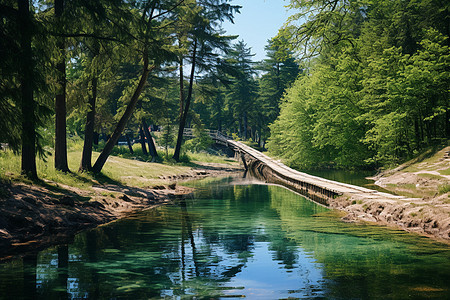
{"x": 272, "y": 171}
{"x": 217, "y": 136}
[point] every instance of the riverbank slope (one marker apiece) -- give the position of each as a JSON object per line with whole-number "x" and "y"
{"x": 428, "y": 215}
{"x": 35, "y": 215}
{"x": 425, "y": 181}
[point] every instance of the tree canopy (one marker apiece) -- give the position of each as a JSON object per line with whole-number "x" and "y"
{"x": 348, "y": 84}
{"x": 375, "y": 91}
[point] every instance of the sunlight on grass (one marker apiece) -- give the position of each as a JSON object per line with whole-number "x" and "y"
{"x": 430, "y": 160}
{"x": 120, "y": 168}
{"x": 134, "y": 171}
{"x": 429, "y": 176}
{"x": 206, "y": 157}
{"x": 9, "y": 163}
{"x": 444, "y": 188}
{"x": 445, "y": 172}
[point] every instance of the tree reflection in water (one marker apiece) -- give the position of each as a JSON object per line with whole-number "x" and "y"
{"x": 29, "y": 276}
{"x": 232, "y": 240}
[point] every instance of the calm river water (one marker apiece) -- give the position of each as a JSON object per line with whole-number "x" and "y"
{"x": 234, "y": 239}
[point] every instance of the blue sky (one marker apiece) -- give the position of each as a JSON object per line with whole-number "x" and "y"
{"x": 258, "y": 21}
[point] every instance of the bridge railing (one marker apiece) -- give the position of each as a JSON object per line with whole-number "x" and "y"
{"x": 188, "y": 132}
{"x": 214, "y": 134}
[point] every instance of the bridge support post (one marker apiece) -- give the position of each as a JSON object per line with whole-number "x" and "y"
{"x": 243, "y": 161}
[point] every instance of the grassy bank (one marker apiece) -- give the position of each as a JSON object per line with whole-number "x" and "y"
{"x": 428, "y": 175}
{"x": 58, "y": 205}
{"x": 121, "y": 168}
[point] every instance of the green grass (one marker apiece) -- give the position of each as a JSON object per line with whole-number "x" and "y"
{"x": 124, "y": 152}
{"x": 185, "y": 157}
{"x": 206, "y": 157}
{"x": 444, "y": 188}
{"x": 116, "y": 170}
{"x": 10, "y": 170}
{"x": 445, "y": 172}
{"x": 407, "y": 185}
{"x": 411, "y": 169}
{"x": 430, "y": 176}
{"x": 121, "y": 168}
{"x": 411, "y": 190}
{"x": 427, "y": 158}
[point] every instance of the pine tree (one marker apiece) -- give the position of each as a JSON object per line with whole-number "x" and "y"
{"x": 205, "y": 39}
{"x": 242, "y": 93}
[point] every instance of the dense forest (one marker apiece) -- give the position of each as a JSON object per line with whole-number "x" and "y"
{"x": 112, "y": 68}
{"x": 345, "y": 83}
{"x": 375, "y": 86}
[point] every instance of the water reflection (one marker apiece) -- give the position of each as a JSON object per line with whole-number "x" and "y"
{"x": 355, "y": 177}
{"x": 63, "y": 271}
{"x": 29, "y": 276}
{"x": 261, "y": 242}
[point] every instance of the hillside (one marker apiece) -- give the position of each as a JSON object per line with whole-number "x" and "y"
{"x": 425, "y": 181}
{"x": 427, "y": 176}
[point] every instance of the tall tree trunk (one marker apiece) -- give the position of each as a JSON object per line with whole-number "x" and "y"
{"x": 29, "y": 265}
{"x": 26, "y": 82}
{"x": 86, "y": 157}
{"x": 130, "y": 146}
{"x": 181, "y": 87}
{"x": 63, "y": 271}
{"x": 176, "y": 154}
{"x": 151, "y": 144}
{"x": 60, "y": 100}
{"x": 101, "y": 160}
{"x": 142, "y": 137}
{"x": 96, "y": 137}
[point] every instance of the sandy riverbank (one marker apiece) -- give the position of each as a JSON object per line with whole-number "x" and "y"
{"x": 426, "y": 211}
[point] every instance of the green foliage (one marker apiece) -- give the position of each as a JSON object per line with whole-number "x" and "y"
{"x": 406, "y": 98}
{"x": 372, "y": 89}
{"x": 168, "y": 136}
{"x": 9, "y": 87}
{"x": 318, "y": 26}
{"x": 201, "y": 140}
{"x": 12, "y": 74}
{"x": 280, "y": 71}
{"x": 376, "y": 94}
{"x": 445, "y": 188}
{"x": 243, "y": 89}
